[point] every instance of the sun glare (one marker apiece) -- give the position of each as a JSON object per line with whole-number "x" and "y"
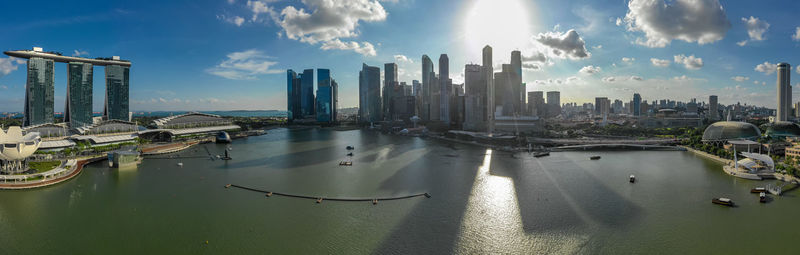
{"x": 503, "y": 24}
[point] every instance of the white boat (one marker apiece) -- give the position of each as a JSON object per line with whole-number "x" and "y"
{"x": 632, "y": 179}
{"x": 180, "y": 164}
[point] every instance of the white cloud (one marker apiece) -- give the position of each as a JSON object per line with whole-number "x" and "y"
{"x": 767, "y": 67}
{"x": 690, "y": 62}
{"x": 628, "y": 60}
{"x": 259, "y": 7}
{"x": 364, "y": 48}
{"x": 78, "y": 53}
{"x": 755, "y": 30}
{"x": 537, "y": 56}
{"x": 798, "y": 69}
{"x": 636, "y": 78}
{"x": 701, "y": 21}
{"x": 236, "y": 20}
{"x": 589, "y": 70}
{"x": 402, "y": 58}
{"x": 3, "y": 87}
{"x": 609, "y": 79}
{"x": 659, "y": 62}
{"x": 531, "y": 66}
{"x": 244, "y": 65}
{"x": 796, "y": 35}
{"x": 9, "y": 64}
{"x": 564, "y": 45}
{"x": 740, "y": 78}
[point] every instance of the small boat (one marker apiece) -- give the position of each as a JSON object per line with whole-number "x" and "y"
{"x": 540, "y": 154}
{"x": 632, "y": 179}
{"x": 346, "y": 163}
{"x": 374, "y": 201}
{"x": 319, "y": 200}
{"x": 758, "y": 190}
{"x": 180, "y": 164}
{"x": 722, "y": 201}
{"x": 349, "y": 147}
{"x": 594, "y": 157}
{"x": 762, "y": 197}
{"x": 350, "y": 154}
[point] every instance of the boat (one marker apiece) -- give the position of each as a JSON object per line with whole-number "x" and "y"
{"x": 346, "y": 163}
{"x": 180, "y": 164}
{"x": 758, "y": 190}
{"x": 722, "y": 201}
{"x": 223, "y": 137}
{"x": 762, "y": 197}
{"x": 349, "y": 147}
{"x": 594, "y": 157}
{"x": 540, "y": 154}
{"x": 350, "y": 154}
{"x": 632, "y": 179}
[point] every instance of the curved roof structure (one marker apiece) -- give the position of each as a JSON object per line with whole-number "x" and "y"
{"x": 191, "y": 120}
{"x": 66, "y": 59}
{"x": 782, "y": 129}
{"x": 731, "y": 130}
{"x": 15, "y": 146}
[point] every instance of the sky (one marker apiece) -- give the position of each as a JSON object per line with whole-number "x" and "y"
{"x": 233, "y": 54}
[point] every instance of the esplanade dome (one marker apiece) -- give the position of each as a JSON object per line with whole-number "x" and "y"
{"x": 731, "y": 130}
{"x": 782, "y": 129}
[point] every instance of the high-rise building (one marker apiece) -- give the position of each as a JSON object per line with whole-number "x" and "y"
{"x": 335, "y": 102}
{"x": 784, "y": 92}
{"x": 427, "y": 73}
{"x": 518, "y": 88}
{"x": 602, "y": 106}
{"x": 78, "y": 103}
{"x": 325, "y": 97}
{"x": 416, "y": 87}
{"x": 435, "y": 97}
{"x": 117, "y": 92}
{"x": 505, "y": 93}
{"x": 369, "y": 96}
{"x": 797, "y": 110}
{"x": 307, "y": 93}
{"x": 39, "y": 92}
{"x": 389, "y": 86}
{"x": 637, "y": 104}
{"x": 488, "y": 70}
{"x": 474, "y": 98}
{"x": 553, "y": 103}
{"x": 713, "y": 111}
{"x": 536, "y": 105}
{"x": 292, "y": 95}
{"x": 446, "y": 90}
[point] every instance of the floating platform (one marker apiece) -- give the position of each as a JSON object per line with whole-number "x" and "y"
{"x": 320, "y": 199}
{"x": 346, "y": 163}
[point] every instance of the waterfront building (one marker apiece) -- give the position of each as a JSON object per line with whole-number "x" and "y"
{"x": 369, "y": 97}
{"x": 427, "y": 75}
{"x": 446, "y": 88}
{"x": 390, "y": 84}
{"x": 306, "y": 94}
{"x": 16, "y": 149}
{"x": 78, "y": 103}
{"x": 784, "y": 92}
{"x": 553, "y": 103}
{"x": 720, "y": 132}
{"x": 39, "y": 92}
{"x": 475, "y": 98}
{"x": 536, "y": 105}
{"x": 325, "y": 97}
{"x": 637, "y": 104}
{"x": 292, "y": 95}
{"x": 117, "y": 93}
{"x": 488, "y": 70}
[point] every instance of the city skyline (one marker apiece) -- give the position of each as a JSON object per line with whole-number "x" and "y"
{"x": 582, "y": 50}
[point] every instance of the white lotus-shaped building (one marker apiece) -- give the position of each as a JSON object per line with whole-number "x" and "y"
{"x": 15, "y": 148}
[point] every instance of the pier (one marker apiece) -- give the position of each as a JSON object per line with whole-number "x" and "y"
{"x": 319, "y": 199}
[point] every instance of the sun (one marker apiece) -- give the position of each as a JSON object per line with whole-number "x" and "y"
{"x": 502, "y": 24}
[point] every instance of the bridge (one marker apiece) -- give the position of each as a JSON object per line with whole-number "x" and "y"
{"x": 617, "y": 146}
{"x": 601, "y": 141}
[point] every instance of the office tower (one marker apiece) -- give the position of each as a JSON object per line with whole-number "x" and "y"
{"x": 408, "y": 90}
{"x": 553, "y": 103}
{"x": 505, "y": 95}
{"x": 797, "y": 110}
{"x": 117, "y": 89}
{"x": 427, "y": 71}
{"x": 39, "y": 92}
{"x": 602, "y": 105}
{"x": 435, "y": 97}
{"x": 78, "y": 103}
{"x": 293, "y": 96}
{"x": 325, "y": 100}
{"x": 389, "y": 87}
{"x": 307, "y": 93}
{"x": 536, "y": 105}
{"x": 445, "y": 88}
{"x": 784, "y": 92}
{"x": 474, "y": 98}
{"x": 713, "y": 111}
{"x": 416, "y": 88}
{"x": 637, "y": 104}
{"x": 369, "y": 84}
{"x": 517, "y": 89}
{"x": 488, "y": 74}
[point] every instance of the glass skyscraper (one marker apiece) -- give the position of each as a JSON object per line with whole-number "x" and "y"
{"x": 369, "y": 94}
{"x": 39, "y": 92}
{"x": 78, "y": 104}
{"x": 292, "y": 95}
{"x": 637, "y": 104}
{"x": 117, "y": 85}
{"x": 324, "y": 104}
{"x": 307, "y": 93}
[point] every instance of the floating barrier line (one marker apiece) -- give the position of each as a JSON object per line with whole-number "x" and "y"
{"x": 328, "y": 198}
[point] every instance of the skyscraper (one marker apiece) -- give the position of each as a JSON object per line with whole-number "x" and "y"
{"x": 475, "y": 98}
{"x": 389, "y": 87}
{"x": 306, "y": 93}
{"x": 427, "y": 72}
{"x": 293, "y": 96}
{"x": 536, "y": 104}
{"x": 553, "y": 103}
{"x": 517, "y": 89}
{"x": 369, "y": 84}
{"x": 117, "y": 89}
{"x": 39, "y": 92}
{"x": 601, "y": 105}
{"x": 78, "y": 104}
{"x": 505, "y": 94}
{"x": 446, "y": 89}
{"x": 637, "y": 104}
{"x": 325, "y": 100}
{"x": 335, "y": 102}
{"x": 488, "y": 74}
{"x": 713, "y": 111}
{"x": 784, "y": 92}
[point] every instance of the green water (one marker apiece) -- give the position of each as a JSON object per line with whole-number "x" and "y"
{"x": 483, "y": 202}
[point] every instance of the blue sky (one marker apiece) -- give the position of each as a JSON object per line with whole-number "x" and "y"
{"x": 226, "y": 55}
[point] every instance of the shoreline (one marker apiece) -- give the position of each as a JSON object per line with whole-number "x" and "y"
{"x": 75, "y": 171}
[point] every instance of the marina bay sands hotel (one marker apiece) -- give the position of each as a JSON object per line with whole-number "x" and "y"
{"x": 39, "y": 88}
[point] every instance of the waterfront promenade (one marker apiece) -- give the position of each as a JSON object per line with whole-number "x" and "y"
{"x": 66, "y": 171}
